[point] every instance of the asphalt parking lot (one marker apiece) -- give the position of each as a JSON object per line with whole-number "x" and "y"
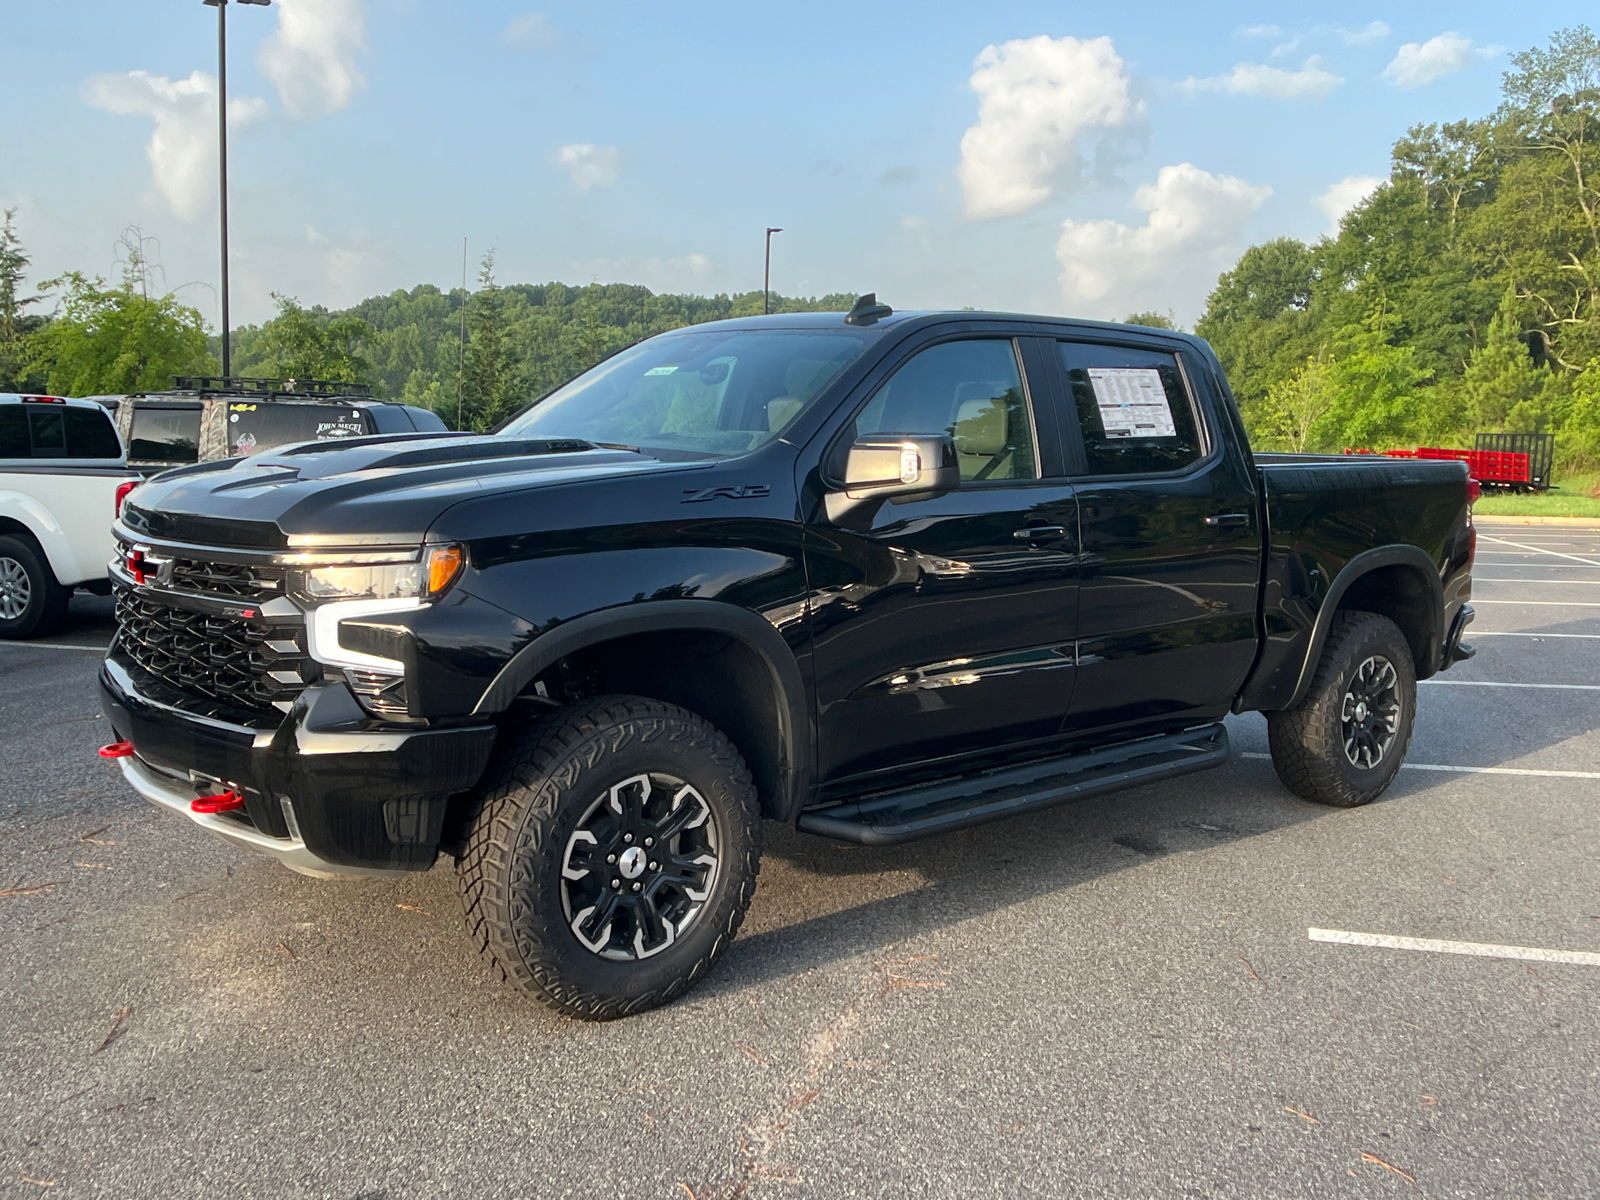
{"x": 1119, "y": 998}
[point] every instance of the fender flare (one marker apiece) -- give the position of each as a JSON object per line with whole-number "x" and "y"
{"x": 1364, "y": 564}
{"x": 795, "y": 728}
{"x": 42, "y": 526}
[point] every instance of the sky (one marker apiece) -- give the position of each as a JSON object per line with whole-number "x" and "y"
{"x": 1080, "y": 159}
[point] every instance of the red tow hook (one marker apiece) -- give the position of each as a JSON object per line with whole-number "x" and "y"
{"x": 117, "y": 750}
{"x": 221, "y": 802}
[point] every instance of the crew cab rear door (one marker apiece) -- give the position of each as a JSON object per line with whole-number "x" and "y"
{"x": 1170, "y": 536}
{"x": 943, "y": 624}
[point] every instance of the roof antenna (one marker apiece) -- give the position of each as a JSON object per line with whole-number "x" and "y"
{"x": 867, "y": 310}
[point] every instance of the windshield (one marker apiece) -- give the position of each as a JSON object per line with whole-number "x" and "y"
{"x": 696, "y": 394}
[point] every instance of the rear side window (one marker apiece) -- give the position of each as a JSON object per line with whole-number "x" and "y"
{"x": 261, "y": 425}
{"x": 168, "y": 435}
{"x": 47, "y": 430}
{"x": 14, "y": 432}
{"x": 90, "y": 434}
{"x": 1133, "y": 409}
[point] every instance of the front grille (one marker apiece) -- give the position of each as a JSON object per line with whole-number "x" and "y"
{"x": 235, "y": 581}
{"x": 243, "y": 664}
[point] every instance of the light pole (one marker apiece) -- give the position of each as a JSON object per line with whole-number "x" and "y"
{"x": 222, "y": 146}
{"x": 766, "y": 278}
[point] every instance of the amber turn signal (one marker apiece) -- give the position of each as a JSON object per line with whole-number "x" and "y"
{"x": 444, "y": 564}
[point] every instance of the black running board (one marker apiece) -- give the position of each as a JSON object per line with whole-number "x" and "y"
{"x": 889, "y": 818}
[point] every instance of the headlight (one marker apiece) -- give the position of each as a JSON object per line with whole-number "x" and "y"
{"x": 397, "y": 581}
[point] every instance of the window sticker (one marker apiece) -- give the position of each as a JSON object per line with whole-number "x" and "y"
{"x": 1132, "y": 402}
{"x": 661, "y": 370}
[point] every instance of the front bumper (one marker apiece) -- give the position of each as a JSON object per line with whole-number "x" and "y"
{"x": 328, "y": 791}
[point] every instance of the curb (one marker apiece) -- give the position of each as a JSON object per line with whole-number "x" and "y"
{"x": 1492, "y": 519}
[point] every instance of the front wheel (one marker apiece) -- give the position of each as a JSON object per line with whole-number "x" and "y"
{"x": 612, "y": 855}
{"x": 1343, "y": 743}
{"x": 32, "y": 603}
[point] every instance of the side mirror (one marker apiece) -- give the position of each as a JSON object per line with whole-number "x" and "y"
{"x": 896, "y": 466}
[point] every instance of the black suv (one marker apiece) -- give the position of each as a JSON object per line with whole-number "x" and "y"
{"x": 205, "y": 418}
{"x": 876, "y": 575}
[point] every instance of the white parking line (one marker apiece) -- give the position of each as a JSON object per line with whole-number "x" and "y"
{"x": 1541, "y": 603}
{"x": 1583, "y": 958}
{"x": 1562, "y": 687}
{"x": 1540, "y": 549}
{"x": 1492, "y": 579}
{"x": 1530, "y": 772}
{"x": 52, "y": 646}
{"x": 1482, "y": 633}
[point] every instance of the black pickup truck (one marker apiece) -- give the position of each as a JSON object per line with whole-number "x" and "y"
{"x": 876, "y": 575}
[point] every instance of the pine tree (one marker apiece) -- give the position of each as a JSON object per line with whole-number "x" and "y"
{"x": 491, "y": 356}
{"x": 1502, "y": 386}
{"x": 15, "y": 326}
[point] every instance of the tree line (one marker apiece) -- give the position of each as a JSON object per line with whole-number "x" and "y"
{"x": 1462, "y": 296}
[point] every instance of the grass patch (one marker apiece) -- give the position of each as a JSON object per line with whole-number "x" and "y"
{"x": 1567, "y": 497}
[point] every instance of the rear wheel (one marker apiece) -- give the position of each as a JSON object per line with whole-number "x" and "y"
{"x": 32, "y": 603}
{"x": 612, "y": 856}
{"x": 1345, "y": 741}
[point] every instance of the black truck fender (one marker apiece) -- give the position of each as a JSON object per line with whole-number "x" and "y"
{"x": 1421, "y": 618}
{"x": 781, "y": 757}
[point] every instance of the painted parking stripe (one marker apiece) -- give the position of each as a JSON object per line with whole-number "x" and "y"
{"x": 52, "y": 646}
{"x": 1530, "y": 772}
{"x": 1483, "y": 633}
{"x": 1476, "y": 600}
{"x": 1524, "y": 546}
{"x": 1582, "y": 958}
{"x": 1566, "y": 582}
{"x": 1557, "y": 687}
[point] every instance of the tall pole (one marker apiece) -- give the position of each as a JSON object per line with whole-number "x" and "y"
{"x": 766, "y": 278}
{"x": 461, "y": 365}
{"x": 222, "y": 148}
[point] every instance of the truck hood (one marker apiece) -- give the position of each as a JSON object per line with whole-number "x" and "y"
{"x": 368, "y": 491}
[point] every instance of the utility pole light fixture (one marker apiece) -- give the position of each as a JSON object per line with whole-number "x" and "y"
{"x": 222, "y": 146}
{"x": 766, "y": 278}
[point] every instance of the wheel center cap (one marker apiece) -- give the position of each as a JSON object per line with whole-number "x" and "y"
{"x": 631, "y": 863}
{"x": 1361, "y": 711}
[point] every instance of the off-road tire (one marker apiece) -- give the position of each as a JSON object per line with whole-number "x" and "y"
{"x": 542, "y": 780}
{"x": 1308, "y": 741}
{"x": 46, "y": 606}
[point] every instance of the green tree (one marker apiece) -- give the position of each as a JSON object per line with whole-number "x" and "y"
{"x": 15, "y": 323}
{"x": 1152, "y": 319}
{"x": 1297, "y": 407}
{"x": 491, "y": 369}
{"x": 115, "y": 340}
{"x": 301, "y": 344}
{"x": 1502, "y": 387}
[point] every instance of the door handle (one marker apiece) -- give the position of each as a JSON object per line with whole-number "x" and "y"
{"x": 1221, "y": 520}
{"x": 1031, "y": 533}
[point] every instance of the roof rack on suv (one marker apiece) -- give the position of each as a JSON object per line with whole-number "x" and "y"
{"x": 268, "y": 389}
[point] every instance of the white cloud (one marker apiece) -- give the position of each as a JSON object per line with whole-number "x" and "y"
{"x": 1259, "y": 31}
{"x": 1341, "y": 197}
{"x": 311, "y": 55}
{"x": 183, "y": 145}
{"x": 1311, "y": 82}
{"x": 1194, "y": 230}
{"x": 590, "y": 165}
{"x": 1037, "y": 96}
{"x": 1418, "y": 63}
{"x": 1366, "y": 35}
{"x": 530, "y": 31}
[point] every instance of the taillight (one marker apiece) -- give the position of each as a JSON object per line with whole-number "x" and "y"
{"x": 122, "y": 494}
{"x": 1474, "y": 490}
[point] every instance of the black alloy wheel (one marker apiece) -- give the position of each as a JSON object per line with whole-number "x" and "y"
{"x": 1370, "y": 712}
{"x": 639, "y": 867}
{"x": 610, "y": 855}
{"x": 1344, "y": 742}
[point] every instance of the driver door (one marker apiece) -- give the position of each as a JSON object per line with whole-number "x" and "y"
{"x": 943, "y": 624}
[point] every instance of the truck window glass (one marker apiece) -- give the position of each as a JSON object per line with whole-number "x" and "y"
{"x": 1133, "y": 409}
{"x": 90, "y": 434}
{"x": 971, "y": 390}
{"x": 262, "y": 425}
{"x": 165, "y": 435}
{"x": 47, "y": 431}
{"x": 696, "y": 394}
{"x": 13, "y": 432}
